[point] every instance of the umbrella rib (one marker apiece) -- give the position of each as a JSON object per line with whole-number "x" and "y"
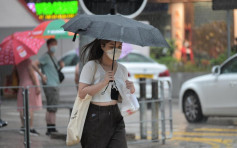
{"x": 140, "y": 36}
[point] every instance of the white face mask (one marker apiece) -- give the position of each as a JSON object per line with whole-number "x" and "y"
{"x": 53, "y": 48}
{"x": 117, "y": 54}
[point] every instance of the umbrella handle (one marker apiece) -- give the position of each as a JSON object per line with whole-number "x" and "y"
{"x": 74, "y": 37}
{"x": 113, "y": 56}
{"x": 113, "y": 59}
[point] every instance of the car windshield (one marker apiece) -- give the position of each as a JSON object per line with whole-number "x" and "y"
{"x": 137, "y": 58}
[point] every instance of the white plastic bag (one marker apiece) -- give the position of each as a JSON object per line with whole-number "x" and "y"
{"x": 129, "y": 105}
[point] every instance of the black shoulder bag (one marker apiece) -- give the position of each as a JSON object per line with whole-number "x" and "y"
{"x": 60, "y": 74}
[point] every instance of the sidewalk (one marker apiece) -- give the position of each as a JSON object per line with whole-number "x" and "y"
{"x": 14, "y": 140}
{"x": 10, "y": 137}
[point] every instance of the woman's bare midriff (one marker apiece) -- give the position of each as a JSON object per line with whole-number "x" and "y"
{"x": 113, "y": 102}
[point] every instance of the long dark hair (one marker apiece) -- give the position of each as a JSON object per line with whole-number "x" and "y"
{"x": 93, "y": 51}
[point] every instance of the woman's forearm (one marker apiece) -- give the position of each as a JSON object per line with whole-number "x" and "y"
{"x": 91, "y": 89}
{"x": 32, "y": 75}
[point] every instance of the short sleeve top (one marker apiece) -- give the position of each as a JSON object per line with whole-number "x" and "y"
{"x": 120, "y": 77}
{"x": 48, "y": 68}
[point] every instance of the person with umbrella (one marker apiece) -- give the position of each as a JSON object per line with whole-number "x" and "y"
{"x": 104, "y": 125}
{"x": 16, "y": 49}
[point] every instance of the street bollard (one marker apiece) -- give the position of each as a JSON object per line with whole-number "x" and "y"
{"x": 26, "y": 118}
{"x": 162, "y": 109}
{"x": 170, "y": 111}
{"x": 143, "y": 109}
{"x": 155, "y": 112}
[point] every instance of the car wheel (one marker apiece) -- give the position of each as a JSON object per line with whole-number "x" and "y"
{"x": 192, "y": 108}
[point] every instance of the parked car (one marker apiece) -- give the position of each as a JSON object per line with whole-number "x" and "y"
{"x": 138, "y": 66}
{"x": 70, "y": 60}
{"x": 213, "y": 94}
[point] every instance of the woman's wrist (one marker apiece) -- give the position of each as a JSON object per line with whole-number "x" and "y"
{"x": 104, "y": 83}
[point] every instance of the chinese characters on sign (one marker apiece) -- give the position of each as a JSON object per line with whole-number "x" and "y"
{"x": 54, "y": 9}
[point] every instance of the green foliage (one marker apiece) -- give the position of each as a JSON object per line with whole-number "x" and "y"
{"x": 165, "y": 56}
{"x": 220, "y": 59}
{"x": 177, "y": 66}
{"x": 158, "y": 52}
{"x": 210, "y": 38}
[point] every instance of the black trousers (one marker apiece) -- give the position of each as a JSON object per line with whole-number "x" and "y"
{"x": 104, "y": 128}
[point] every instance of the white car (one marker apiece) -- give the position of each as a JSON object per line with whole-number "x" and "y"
{"x": 138, "y": 66}
{"x": 213, "y": 94}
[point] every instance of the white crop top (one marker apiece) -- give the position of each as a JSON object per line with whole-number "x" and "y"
{"x": 120, "y": 77}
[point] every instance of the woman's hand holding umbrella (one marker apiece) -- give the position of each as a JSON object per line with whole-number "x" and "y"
{"x": 109, "y": 76}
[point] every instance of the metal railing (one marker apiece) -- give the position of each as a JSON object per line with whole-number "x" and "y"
{"x": 158, "y": 117}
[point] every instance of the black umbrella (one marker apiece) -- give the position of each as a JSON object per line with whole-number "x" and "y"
{"x": 116, "y": 28}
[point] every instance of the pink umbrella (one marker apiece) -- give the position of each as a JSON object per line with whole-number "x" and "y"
{"x": 19, "y": 47}
{"x": 126, "y": 49}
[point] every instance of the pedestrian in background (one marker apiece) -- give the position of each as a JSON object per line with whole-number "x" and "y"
{"x": 27, "y": 77}
{"x": 104, "y": 125}
{"x": 186, "y": 52}
{"x": 49, "y": 75}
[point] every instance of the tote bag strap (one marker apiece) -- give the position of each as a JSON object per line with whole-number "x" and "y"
{"x": 94, "y": 71}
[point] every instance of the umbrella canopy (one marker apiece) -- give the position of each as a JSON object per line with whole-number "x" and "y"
{"x": 116, "y": 28}
{"x": 18, "y": 47}
{"x": 52, "y": 29}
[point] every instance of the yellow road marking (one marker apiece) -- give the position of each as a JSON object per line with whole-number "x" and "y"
{"x": 215, "y": 130}
{"x": 198, "y": 134}
{"x": 202, "y": 134}
{"x": 214, "y": 145}
{"x": 139, "y": 137}
{"x": 214, "y": 142}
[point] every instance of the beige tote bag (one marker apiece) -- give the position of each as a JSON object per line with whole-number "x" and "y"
{"x": 78, "y": 117}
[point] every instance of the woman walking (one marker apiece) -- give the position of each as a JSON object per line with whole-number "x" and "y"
{"x": 104, "y": 126}
{"x": 27, "y": 77}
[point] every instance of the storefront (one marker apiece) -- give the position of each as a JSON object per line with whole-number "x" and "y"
{"x": 190, "y": 17}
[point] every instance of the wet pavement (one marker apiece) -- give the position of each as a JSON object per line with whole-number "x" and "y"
{"x": 215, "y": 133}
